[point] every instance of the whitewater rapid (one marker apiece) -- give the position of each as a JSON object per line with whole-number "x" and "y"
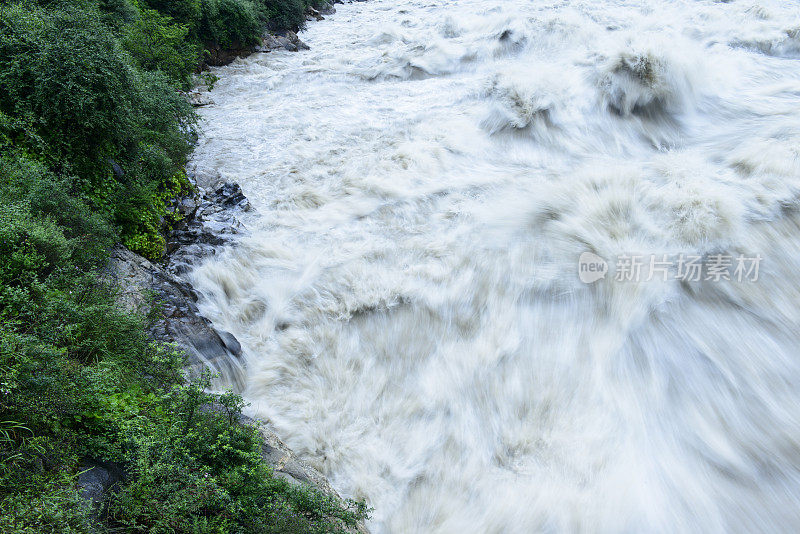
{"x": 409, "y": 299}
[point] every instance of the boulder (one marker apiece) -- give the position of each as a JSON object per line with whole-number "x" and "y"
{"x": 97, "y": 480}
{"x": 327, "y": 9}
{"x": 313, "y": 14}
{"x": 269, "y": 42}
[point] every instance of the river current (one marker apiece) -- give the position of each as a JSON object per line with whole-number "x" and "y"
{"x": 524, "y": 266}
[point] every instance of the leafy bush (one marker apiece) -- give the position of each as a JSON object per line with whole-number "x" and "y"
{"x": 230, "y": 23}
{"x": 182, "y": 11}
{"x": 200, "y": 471}
{"x": 83, "y": 106}
{"x": 54, "y": 507}
{"x": 285, "y": 14}
{"x": 159, "y": 45}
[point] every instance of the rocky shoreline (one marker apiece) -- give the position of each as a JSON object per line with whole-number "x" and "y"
{"x": 211, "y": 220}
{"x": 287, "y": 40}
{"x": 163, "y": 290}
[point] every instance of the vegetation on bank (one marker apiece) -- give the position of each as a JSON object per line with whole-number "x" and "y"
{"x": 94, "y": 134}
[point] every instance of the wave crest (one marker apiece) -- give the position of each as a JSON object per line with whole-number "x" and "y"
{"x": 644, "y": 82}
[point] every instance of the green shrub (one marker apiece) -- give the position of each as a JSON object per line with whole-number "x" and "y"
{"x": 55, "y": 506}
{"x": 200, "y": 471}
{"x": 186, "y": 12}
{"x": 84, "y": 106}
{"x": 74, "y": 92}
{"x": 27, "y": 182}
{"x": 159, "y": 45}
{"x": 230, "y": 23}
{"x": 285, "y": 14}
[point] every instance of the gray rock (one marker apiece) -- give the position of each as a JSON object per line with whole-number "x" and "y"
{"x": 327, "y": 9}
{"x": 97, "y": 481}
{"x": 230, "y": 195}
{"x": 296, "y": 41}
{"x": 287, "y": 44}
{"x": 287, "y": 465}
{"x": 210, "y": 222}
{"x": 144, "y": 285}
{"x": 287, "y": 40}
{"x": 116, "y": 169}
{"x": 313, "y": 14}
{"x": 290, "y": 41}
{"x": 268, "y": 42}
{"x": 199, "y": 99}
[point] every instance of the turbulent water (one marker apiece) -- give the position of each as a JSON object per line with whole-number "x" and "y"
{"x": 410, "y": 302}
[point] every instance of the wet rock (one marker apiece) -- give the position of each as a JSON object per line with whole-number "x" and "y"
{"x": 296, "y": 41}
{"x": 188, "y": 207}
{"x": 281, "y": 41}
{"x": 162, "y": 289}
{"x": 327, "y": 9}
{"x": 269, "y": 42}
{"x": 218, "y": 56}
{"x": 290, "y": 41}
{"x": 149, "y": 288}
{"x": 287, "y": 44}
{"x": 313, "y": 14}
{"x": 230, "y": 195}
{"x": 230, "y": 342}
{"x": 199, "y": 99}
{"x": 97, "y": 481}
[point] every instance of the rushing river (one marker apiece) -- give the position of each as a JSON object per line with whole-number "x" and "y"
{"x": 410, "y": 301}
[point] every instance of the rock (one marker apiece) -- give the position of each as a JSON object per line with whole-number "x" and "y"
{"x": 288, "y": 466}
{"x": 178, "y": 319}
{"x": 285, "y": 40}
{"x": 188, "y": 207}
{"x": 286, "y": 43}
{"x": 209, "y": 223}
{"x": 313, "y": 14}
{"x": 269, "y": 42}
{"x": 295, "y": 40}
{"x": 116, "y": 169}
{"x": 327, "y": 9}
{"x": 290, "y": 41}
{"x": 199, "y": 99}
{"x": 230, "y": 195}
{"x": 219, "y": 57}
{"x": 230, "y": 342}
{"x": 97, "y": 480}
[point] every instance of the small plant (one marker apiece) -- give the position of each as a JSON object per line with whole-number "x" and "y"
{"x": 208, "y": 78}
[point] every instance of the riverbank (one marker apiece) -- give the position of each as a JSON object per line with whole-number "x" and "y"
{"x": 101, "y": 427}
{"x": 163, "y": 290}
